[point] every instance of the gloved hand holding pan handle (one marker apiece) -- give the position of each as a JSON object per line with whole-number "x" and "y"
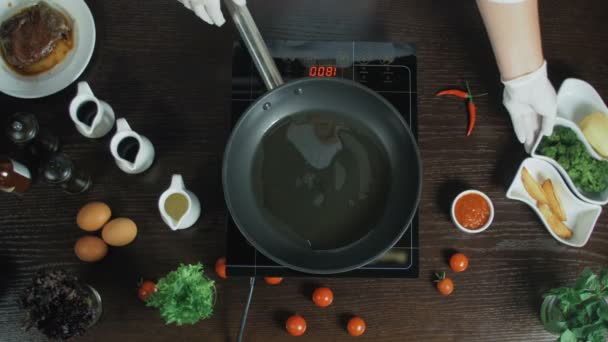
{"x": 209, "y": 10}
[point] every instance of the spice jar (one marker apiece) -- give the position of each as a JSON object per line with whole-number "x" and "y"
{"x": 14, "y": 176}
{"x": 60, "y": 170}
{"x": 23, "y": 130}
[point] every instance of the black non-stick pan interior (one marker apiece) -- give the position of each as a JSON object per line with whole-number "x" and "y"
{"x": 334, "y": 218}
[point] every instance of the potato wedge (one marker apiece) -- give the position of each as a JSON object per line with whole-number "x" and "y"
{"x": 557, "y": 226}
{"x": 553, "y": 200}
{"x": 532, "y": 187}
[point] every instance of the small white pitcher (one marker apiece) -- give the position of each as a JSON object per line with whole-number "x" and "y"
{"x": 132, "y": 152}
{"x": 93, "y": 118}
{"x": 178, "y": 207}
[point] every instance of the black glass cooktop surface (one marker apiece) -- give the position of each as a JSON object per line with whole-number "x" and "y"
{"x": 387, "y": 68}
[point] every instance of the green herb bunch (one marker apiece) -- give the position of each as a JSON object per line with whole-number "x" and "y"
{"x": 583, "y": 311}
{"x": 587, "y": 173}
{"x": 184, "y": 296}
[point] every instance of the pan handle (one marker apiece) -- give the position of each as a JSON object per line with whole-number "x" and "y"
{"x": 255, "y": 44}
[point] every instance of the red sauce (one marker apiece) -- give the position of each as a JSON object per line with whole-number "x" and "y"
{"x": 472, "y": 211}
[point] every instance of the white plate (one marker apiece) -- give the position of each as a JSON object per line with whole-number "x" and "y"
{"x": 581, "y": 216}
{"x": 577, "y": 99}
{"x": 595, "y": 198}
{"x": 62, "y": 75}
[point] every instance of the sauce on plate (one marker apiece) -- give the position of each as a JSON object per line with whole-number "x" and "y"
{"x": 36, "y": 39}
{"x": 472, "y": 211}
{"x": 59, "y": 53}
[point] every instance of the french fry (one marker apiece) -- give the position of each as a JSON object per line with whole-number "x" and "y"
{"x": 554, "y": 202}
{"x": 532, "y": 187}
{"x": 557, "y": 226}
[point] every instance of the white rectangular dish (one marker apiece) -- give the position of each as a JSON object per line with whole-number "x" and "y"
{"x": 581, "y": 216}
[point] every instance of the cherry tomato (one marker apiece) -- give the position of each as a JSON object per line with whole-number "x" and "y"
{"x": 459, "y": 262}
{"x": 356, "y": 326}
{"x": 220, "y": 268}
{"x": 296, "y": 325}
{"x": 146, "y": 289}
{"x": 323, "y": 297}
{"x": 445, "y": 286}
{"x": 273, "y": 280}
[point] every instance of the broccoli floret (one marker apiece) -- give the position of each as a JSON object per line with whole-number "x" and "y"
{"x": 587, "y": 173}
{"x": 568, "y": 136}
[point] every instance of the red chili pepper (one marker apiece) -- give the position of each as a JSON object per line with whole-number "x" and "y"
{"x": 454, "y": 92}
{"x": 472, "y": 116}
{"x": 472, "y": 111}
{"x": 465, "y": 95}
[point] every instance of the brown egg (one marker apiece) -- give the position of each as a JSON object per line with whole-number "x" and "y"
{"x": 90, "y": 248}
{"x": 119, "y": 232}
{"x": 93, "y": 216}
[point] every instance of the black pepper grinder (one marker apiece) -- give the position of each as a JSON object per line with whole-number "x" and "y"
{"x": 60, "y": 170}
{"x": 23, "y": 130}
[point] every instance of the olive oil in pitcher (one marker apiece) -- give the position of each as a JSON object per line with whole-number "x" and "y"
{"x": 176, "y": 206}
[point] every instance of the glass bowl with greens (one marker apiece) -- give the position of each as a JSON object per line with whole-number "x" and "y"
{"x": 584, "y": 170}
{"x": 59, "y": 305}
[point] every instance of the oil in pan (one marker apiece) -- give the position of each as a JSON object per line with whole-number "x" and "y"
{"x": 321, "y": 178}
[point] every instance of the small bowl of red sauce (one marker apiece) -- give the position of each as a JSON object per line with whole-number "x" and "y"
{"x": 472, "y": 211}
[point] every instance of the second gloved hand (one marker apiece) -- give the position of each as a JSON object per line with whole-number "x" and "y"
{"x": 532, "y": 104}
{"x": 209, "y": 10}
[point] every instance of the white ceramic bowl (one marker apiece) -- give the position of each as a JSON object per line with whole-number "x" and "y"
{"x": 576, "y": 99}
{"x": 62, "y": 75}
{"x": 595, "y": 198}
{"x": 581, "y": 216}
{"x": 484, "y": 227}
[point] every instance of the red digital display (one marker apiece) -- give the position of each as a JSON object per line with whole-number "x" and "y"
{"x": 322, "y": 71}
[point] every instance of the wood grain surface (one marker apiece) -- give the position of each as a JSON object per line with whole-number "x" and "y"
{"x": 168, "y": 73}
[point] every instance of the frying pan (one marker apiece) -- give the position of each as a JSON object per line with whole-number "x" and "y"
{"x": 348, "y": 102}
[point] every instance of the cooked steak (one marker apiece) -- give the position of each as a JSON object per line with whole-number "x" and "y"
{"x": 31, "y": 35}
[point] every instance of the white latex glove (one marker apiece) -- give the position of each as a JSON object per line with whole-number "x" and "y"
{"x": 532, "y": 103}
{"x": 209, "y": 10}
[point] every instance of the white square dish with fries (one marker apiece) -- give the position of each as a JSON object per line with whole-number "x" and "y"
{"x": 568, "y": 219}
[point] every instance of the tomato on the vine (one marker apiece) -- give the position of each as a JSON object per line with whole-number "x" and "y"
{"x": 220, "y": 268}
{"x": 323, "y": 297}
{"x": 356, "y": 326}
{"x": 296, "y": 325}
{"x": 445, "y": 286}
{"x": 273, "y": 280}
{"x": 146, "y": 289}
{"x": 459, "y": 262}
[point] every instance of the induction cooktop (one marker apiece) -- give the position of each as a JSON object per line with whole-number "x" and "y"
{"x": 389, "y": 69}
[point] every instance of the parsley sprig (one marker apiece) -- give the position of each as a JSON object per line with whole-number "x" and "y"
{"x": 184, "y": 296}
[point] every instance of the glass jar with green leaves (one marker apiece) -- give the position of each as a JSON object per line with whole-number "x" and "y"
{"x": 580, "y": 312}
{"x": 60, "y": 305}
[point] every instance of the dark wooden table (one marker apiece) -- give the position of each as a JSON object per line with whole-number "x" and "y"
{"x": 168, "y": 73}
